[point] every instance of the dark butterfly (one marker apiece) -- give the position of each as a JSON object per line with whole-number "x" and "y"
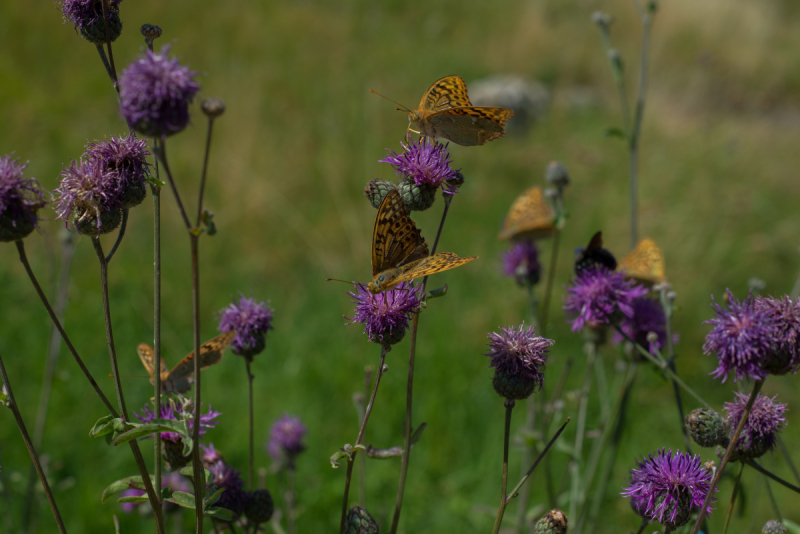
{"x": 594, "y": 255}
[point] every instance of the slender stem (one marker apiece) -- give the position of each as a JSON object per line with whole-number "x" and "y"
{"x": 577, "y": 460}
{"x": 772, "y": 501}
{"x": 384, "y": 350}
{"x": 771, "y": 475}
{"x": 547, "y": 419}
{"x": 62, "y": 293}
{"x": 104, "y": 59}
{"x": 12, "y": 403}
{"x": 156, "y": 194}
{"x": 123, "y": 225}
{"x": 788, "y": 457}
{"x": 251, "y": 471}
{"x": 362, "y": 460}
{"x": 161, "y": 152}
{"x": 616, "y": 70}
{"x": 732, "y": 445}
{"x": 448, "y": 198}
{"x": 513, "y": 492}
{"x": 24, "y": 259}
{"x": 290, "y": 520}
{"x": 548, "y": 288}
{"x": 108, "y": 63}
{"x": 509, "y": 404}
{"x": 733, "y": 498}
{"x": 199, "y": 486}
{"x": 205, "y": 169}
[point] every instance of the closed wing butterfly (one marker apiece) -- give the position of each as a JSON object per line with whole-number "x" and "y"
{"x": 645, "y": 263}
{"x": 530, "y": 217}
{"x": 181, "y": 377}
{"x": 399, "y": 252}
{"x": 446, "y": 112}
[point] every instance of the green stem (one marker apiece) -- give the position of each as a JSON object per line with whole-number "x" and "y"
{"x": 199, "y": 478}
{"x": 772, "y": 501}
{"x": 773, "y": 476}
{"x": 788, "y": 458}
{"x": 251, "y": 471}
{"x": 509, "y": 404}
{"x": 577, "y": 460}
{"x": 513, "y": 492}
{"x": 733, "y": 498}
{"x": 123, "y": 225}
{"x": 548, "y": 288}
{"x": 204, "y": 171}
{"x": 156, "y": 194}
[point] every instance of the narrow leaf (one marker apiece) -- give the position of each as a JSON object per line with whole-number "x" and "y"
{"x": 141, "y": 431}
{"x": 418, "y": 433}
{"x": 140, "y": 498}
{"x": 214, "y": 497}
{"x": 122, "y": 485}
{"x": 223, "y": 514}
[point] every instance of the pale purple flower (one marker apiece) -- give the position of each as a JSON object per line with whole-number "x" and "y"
{"x": 741, "y": 338}
{"x": 20, "y": 198}
{"x": 155, "y": 94}
{"x": 385, "y": 316}
{"x": 251, "y": 320}
{"x": 125, "y": 156}
{"x": 668, "y": 486}
{"x": 599, "y": 296}
{"x": 170, "y": 410}
{"x": 286, "y": 438}
{"x": 521, "y": 262}
{"x": 519, "y": 353}
{"x": 425, "y": 161}
{"x": 765, "y": 421}
{"x": 84, "y": 13}
{"x": 234, "y": 497}
{"x": 87, "y": 189}
{"x": 648, "y": 317}
{"x": 210, "y": 455}
{"x": 785, "y": 313}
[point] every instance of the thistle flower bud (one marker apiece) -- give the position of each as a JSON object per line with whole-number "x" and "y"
{"x": 359, "y": 521}
{"x": 759, "y": 432}
{"x": 96, "y": 32}
{"x": 457, "y": 180}
{"x": 519, "y": 357}
{"x": 151, "y": 32}
{"x": 553, "y": 522}
{"x": 20, "y": 199}
{"x": 376, "y": 190}
{"x": 417, "y": 197}
{"x": 557, "y": 174}
{"x": 259, "y": 507}
{"x": 706, "y": 427}
{"x": 773, "y": 527}
{"x": 213, "y": 107}
{"x": 680, "y": 508}
{"x": 602, "y": 19}
{"x": 173, "y": 454}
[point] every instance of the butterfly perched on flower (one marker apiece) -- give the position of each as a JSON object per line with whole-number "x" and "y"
{"x": 399, "y": 252}
{"x": 530, "y": 217}
{"x": 645, "y": 263}
{"x": 181, "y": 377}
{"x": 594, "y": 255}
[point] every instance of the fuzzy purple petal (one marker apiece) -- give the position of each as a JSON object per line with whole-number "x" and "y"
{"x": 384, "y": 314}
{"x": 598, "y": 296}
{"x": 83, "y": 13}
{"x": 171, "y": 411}
{"x": 764, "y": 422}
{"x": 426, "y": 161}
{"x": 519, "y": 352}
{"x": 521, "y": 262}
{"x": 251, "y": 320}
{"x": 20, "y": 197}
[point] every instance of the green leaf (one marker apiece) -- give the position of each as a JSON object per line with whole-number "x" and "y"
{"x": 141, "y": 498}
{"x": 189, "y": 472}
{"x": 122, "y": 485}
{"x": 182, "y": 499}
{"x": 436, "y": 293}
{"x": 3, "y": 399}
{"x": 417, "y": 433}
{"x": 157, "y": 425}
{"x": 108, "y": 424}
{"x": 223, "y": 514}
{"x": 154, "y": 181}
{"x": 792, "y": 527}
{"x": 214, "y": 497}
{"x": 615, "y": 132}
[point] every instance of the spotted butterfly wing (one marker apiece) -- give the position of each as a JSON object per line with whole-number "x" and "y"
{"x": 645, "y": 263}
{"x": 396, "y": 240}
{"x": 594, "y": 255}
{"x": 439, "y": 262}
{"x": 148, "y": 357}
{"x": 530, "y": 217}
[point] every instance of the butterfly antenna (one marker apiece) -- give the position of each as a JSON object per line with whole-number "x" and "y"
{"x": 401, "y": 108}
{"x": 337, "y": 280}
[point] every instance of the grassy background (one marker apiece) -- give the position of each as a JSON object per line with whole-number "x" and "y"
{"x": 291, "y": 155}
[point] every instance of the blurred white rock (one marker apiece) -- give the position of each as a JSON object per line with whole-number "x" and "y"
{"x": 528, "y": 98}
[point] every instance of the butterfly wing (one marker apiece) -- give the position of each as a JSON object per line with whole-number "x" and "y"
{"x": 645, "y": 262}
{"x": 445, "y": 93}
{"x": 530, "y": 217}
{"x": 468, "y": 126}
{"x": 181, "y": 376}
{"x": 396, "y": 240}
{"x": 148, "y": 357}
{"x": 439, "y": 262}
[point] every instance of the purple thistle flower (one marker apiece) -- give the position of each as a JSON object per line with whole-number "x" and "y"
{"x": 667, "y": 487}
{"x": 598, "y": 296}
{"x": 286, "y": 438}
{"x": 88, "y": 190}
{"x": 522, "y": 262}
{"x": 234, "y": 497}
{"x": 210, "y": 455}
{"x": 251, "y": 320}
{"x": 156, "y": 92}
{"x": 519, "y": 354}
{"x": 176, "y": 413}
{"x": 84, "y": 13}
{"x": 385, "y": 316}
{"x": 425, "y": 161}
{"x": 786, "y": 340}
{"x": 741, "y": 338}
{"x": 648, "y": 317}
{"x": 20, "y": 198}
{"x": 125, "y": 157}
{"x": 764, "y": 422}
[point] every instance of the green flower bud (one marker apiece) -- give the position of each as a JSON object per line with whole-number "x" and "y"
{"x": 416, "y": 197}
{"x": 773, "y": 527}
{"x": 259, "y": 507}
{"x": 96, "y": 32}
{"x": 377, "y": 190}
{"x": 706, "y": 427}
{"x": 360, "y": 522}
{"x": 553, "y": 522}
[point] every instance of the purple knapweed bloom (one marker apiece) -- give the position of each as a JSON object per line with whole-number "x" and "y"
{"x": 286, "y": 438}
{"x": 126, "y": 159}
{"x": 764, "y": 422}
{"x": 521, "y": 261}
{"x": 155, "y": 94}
{"x": 668, "y": 486}
{"x": 89, "y": 192}
{"x": 599, "y": 296}
{"x": 170, "y": 410}
{"x": 519, "y": 354}
{"x": 234, "y": 497}
{"x": 785, "y": 313}
{"x": 385, "y": 315}
{"x": 20, "y": 198}
{"x": 83, "y": 13}
{"x": 425, "y": 161}
{"x": 210, "y": 455}
{"x": 648, "y": 317}
{"x": 251, "y": 320}
{"x": 741, "y": 338}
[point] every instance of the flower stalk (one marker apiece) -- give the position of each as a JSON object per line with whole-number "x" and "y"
{"x": 509, "y": 404}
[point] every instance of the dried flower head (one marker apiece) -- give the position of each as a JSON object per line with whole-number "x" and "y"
{"x": 600, "y": 296}
{"x": 668, "y": 486}
{"x": 425, "y": 161}
{"x": 155, "y": 94}
{"x": 125, "y": 158}
{"x": 20, "y": 199}
{"x": 171, "y": 410}
{"x": 765, "y": 421}
{"x": 90, "y": 194}
{"x": 741, "y": 338}
{"x": 84, "y": 13}
{"x": 286, "y": 438}
{"x": 385, "y": 316}
{"x": 251, "y": 320}
{"x": 647, "y": 319}
{"x": 785, "y": 314}
{"x": 521, "y": 261}
{"x": 519, "y": 357}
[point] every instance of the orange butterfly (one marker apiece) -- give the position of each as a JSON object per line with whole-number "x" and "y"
{"x": 645, "y": 263}
{"x": 530, "y": 217}
{"x": 181, "y": 377}
{"x": 399, "y": 252}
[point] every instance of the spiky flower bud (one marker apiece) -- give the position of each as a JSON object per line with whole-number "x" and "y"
{"x": 151, "y": 32}
{"x": 360, "y": 522}
{"x": 376, "y": 190}
{"x": 519, "y": 357}
{"x": 457, "y": 180}
{"x": 553, "y": 522}
{"x": 213, "y": 107}
{"x": 259, "y": 507}
{"x": 773, "y": 527}
{"x": 557, "y": 174}
{"x": 96, "y": 32}
{"x": 707, "y": 428}
{"x": 417, "y": 197}
{"x": 680, "y": 508}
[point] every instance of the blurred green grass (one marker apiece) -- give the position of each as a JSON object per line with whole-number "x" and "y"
{"x": 291, "y": 155}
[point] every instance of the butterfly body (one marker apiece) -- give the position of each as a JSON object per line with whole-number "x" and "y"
{"x": 181, "y": 377}
{"x": 399, "y": 252}
{"x": 445, "y": 112}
